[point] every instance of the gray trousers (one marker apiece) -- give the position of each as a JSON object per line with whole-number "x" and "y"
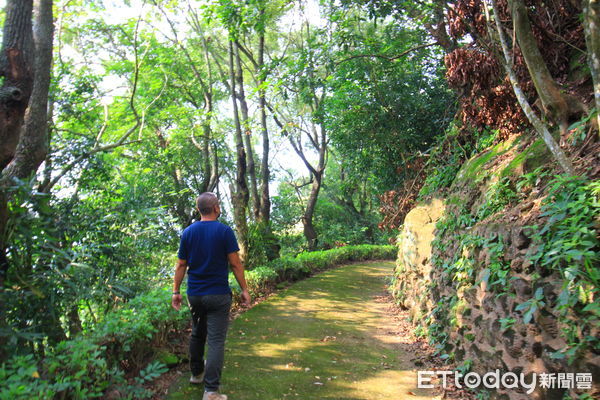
{"x": 210, "y": 320}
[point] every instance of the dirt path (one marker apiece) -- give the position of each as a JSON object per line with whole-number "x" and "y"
{"x": 327, "y": 337}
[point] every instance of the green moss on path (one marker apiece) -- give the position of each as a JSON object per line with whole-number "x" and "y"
{"x": 326, "y": 337}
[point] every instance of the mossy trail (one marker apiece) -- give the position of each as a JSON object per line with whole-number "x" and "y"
{"x": 327, "y": 337}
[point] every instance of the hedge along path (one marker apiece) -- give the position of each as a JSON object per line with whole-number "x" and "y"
{"x": 326, "y": 337}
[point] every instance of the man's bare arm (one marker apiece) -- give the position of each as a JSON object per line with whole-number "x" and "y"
{"x": 238, "y": 271}
{"x": 180, "y": 270}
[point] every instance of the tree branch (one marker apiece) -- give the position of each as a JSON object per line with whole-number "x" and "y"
{"x": 387, "y": 58}
{"x": 539, "y": 126}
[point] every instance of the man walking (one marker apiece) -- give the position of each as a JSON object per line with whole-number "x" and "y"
{"x": 207, "y": 247}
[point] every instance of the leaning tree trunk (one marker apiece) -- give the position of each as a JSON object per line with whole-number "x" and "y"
{"x": 537, "y": 123}
{"x": 591, "y": 23}
{"x": 557, "y": 105}
{"x": 240, "y": 196}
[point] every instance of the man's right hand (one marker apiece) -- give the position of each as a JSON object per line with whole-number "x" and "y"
{"x": 246, "y": 298}
{"x": 176, "y": 301}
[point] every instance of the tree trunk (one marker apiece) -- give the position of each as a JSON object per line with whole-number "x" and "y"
{"x": 265, "y": 201}
{"x": 307, "y": 219}
{"x": 558, "y": 106}
{"x": 74, "y": 322}
{"x": 317, "y": 173}
{"x": 213, "y": 167}
{"x": 24, "y": 105}
{"x": 591, "y": 23}
{"x": 33, "y": 143}
{"x": 247, "y": 134}
{"x": 539, "y": 126}
{"x": 240, "y": 195}
{"x": 17, "y": 69}
{"x": 206, "y": 160}
{"x": 214, "y": 177}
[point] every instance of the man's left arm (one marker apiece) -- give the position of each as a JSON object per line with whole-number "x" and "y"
{"x": 180, "y": 270}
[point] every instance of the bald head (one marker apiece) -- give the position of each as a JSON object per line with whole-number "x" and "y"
{"x": 206, "y": 203}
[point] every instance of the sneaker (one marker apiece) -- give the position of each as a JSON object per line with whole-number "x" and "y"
{"x": 198, "y": 378}
{"x": 195, "y": 379}
{"x": 213, "y": 396}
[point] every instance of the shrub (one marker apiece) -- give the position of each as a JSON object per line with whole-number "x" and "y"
{"x": 85, "y": 366}
{"x": 21, "y": 380}
{"x": 133, "y": 331}
{"x": 290, "y": 269}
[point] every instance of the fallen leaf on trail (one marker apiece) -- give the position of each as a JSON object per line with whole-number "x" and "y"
{"x": 318, "y": 383}
{"x": 328, "y": 338}
{"x": 306, "y": 369}
{"x": 411, "y": 393}
{"x": 317, "y": 377}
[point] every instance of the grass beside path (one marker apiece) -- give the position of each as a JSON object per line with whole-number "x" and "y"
{"x": 326, "y": 337}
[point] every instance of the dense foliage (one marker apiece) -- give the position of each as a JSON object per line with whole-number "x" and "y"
{"x": 318, "y": 125}
{"x": 126, "y": 338}
{"x": 140, "y": 125}
{"x": 566, "y": 245}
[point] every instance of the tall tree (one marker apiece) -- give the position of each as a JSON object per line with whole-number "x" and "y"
{"x": 247, "y": 130}
{"x": 196, "y": 82}
{"x": 265, "y": 174}
{"x": 303, "y": 124}
{"x": 299, "y": 132}
{"x": 241, "y": 195}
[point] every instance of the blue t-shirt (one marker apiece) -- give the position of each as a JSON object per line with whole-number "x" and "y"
{"x": 205, "y": 246}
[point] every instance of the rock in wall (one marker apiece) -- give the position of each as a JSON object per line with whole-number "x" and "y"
{"x": 414, "y": 257}
{"x": 448, "y": 287}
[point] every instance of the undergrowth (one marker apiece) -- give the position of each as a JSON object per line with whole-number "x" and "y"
{"x": 106, "y": 355}
{"x": 566, "y": 243}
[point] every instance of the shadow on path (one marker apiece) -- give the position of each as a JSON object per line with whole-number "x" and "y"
{"x": 319, "y": 339}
